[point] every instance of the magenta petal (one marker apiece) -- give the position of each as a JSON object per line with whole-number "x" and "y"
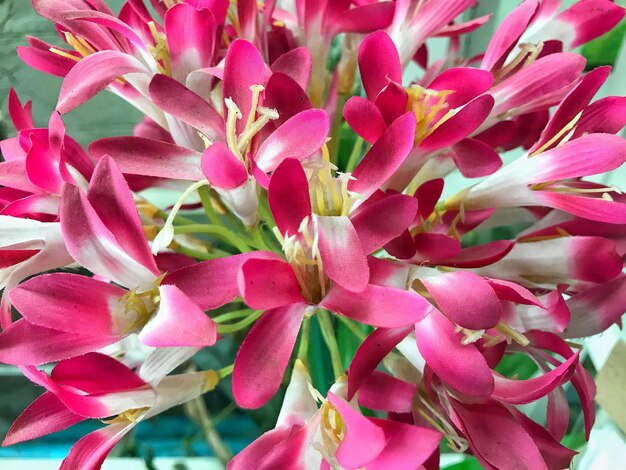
{"x": 379, "y": 63}
{"x": 23, "y": 343}
{"x": 264, "y": 355}
{"x": 178, "y": 322}
{"x": 279, "y": 447}
{"x": 179, "y": 101}
{"x": 384, "y": 307}
{"x": 590, "y": 19}
{"x": 342, "y": 255}
{"x": 466, "y": 298}
{"x": 385, "y": 156}
{"x": 296, "y": 64}
{"x": 519, "y": 392}
{"x": 465, "y": 121}
{"x": 112, "y": 199}
{"x": 392, "y": 102}
{"x": 461, "y": 366}
{"x": 465, "y": 82}
{"x": 42, "y": 168}
{"x": 364, "y": 118}
{"x": 363, "y": 440}
{"x": 74, "y": 303}
{"x": 288, "y": 196}
{"x": 299, "y": 137}
{"x": 222, "y": 168}
{"x": 219, "y": 279}
{"x": 21, "y": 116}
{"x": 93, "y": 74}
{"x": 408, "y": 446}
{"x": 45, "y": 415}
{"x": 384, "y": 220}
{"x": 370, "y": 353}
{"x": 285, "y": 95}
{"x": 604, "y": 115}
{"x": 475, "y": 158}
{"x": 384, "y": 392}
{"x": 268, "y": 283}
{"x": 427, "y": 196}
{"x": 90, "y": 451}
{"x": 142, "y": 156}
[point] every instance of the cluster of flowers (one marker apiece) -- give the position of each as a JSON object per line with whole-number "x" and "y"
{"x": 318, "y": 205}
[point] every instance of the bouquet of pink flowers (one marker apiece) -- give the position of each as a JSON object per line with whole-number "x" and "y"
{"x": 309, "y": 142}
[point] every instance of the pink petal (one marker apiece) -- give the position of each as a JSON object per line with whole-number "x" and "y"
{"x": 23, "y": 343}
{"x": 268, "y": 283}
{"x": 219, "y": 278}
{"x": 392, "y": 102}
{"x": 141, "y": 156}
{"x": 285, "y": 95}
{"x": 460, "y": 125}
{"x": 363, "y": 440}
{"x": 190, "y": 38}
{"x": 282, "y": 446}
{"x": 93, "y": 245}
{"x": 465, "y": 298}
{"x": 299, "y": 137}
{"x": 222, "y": 168}
{"x": 42, "y": 168}
{"x": 385, "y": 156}
{"x": 288, "y": 196}
{"x": 90, "y": 451}
{"x": 480, "y": 255}
{"x": 507, "y": 35}
{"x": 342, "y": 255}
{"x": 112, "y": 199}
{"x": 243, "y": 68}
{"x": 589, "y": 20}
{"x": 264, "y": 355}
{"x": 384, "y": 307}
{"x": 465, "y": 82}
{"x": 461, "y": 366}
{"x": 45, "y": 61}
{"x": 21, "y": 116}
{"x": 600, "y": 210}
{"x": 178, "y": 322}
{"x": 93, "y": 74}
{"x": 362, "y": 19}
{"x": 296, "y": 64}
{"x": 384, "y": 392}
{"x": 513, "y": 292}
{"x": 605, "y": 115}
{"x": 427, "y": 196}
{"x": 475, "y": 158}
{"x": 384, "y": 220}
{"x": 179, "y": 101}
{"x": 379, "y": 63}
{"x": 74, "y": 304}
{"x": 407, "y": 445}
{"x": 370, "y": 353}
{"x": 364, "y": 118}
{"x": 45, "y": 415}
{"x": 519, "y": 392}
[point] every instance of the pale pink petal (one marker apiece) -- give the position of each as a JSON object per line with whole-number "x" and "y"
{"x": 299, "y": 137}
{"x": 363, "y": 440}
{"x": 178, "y": 322}
{"x": 288, "y": 196}
{"x": 461, "y": 366}
{"x": 93, "y": 74}
{"x": 379, "y": 306}
{"x": 222, "y": 168}
{"x": 343, "y": 257}
{"x": 379, "y": 63}
{"x": 267, "y": 283}
{"x": 385, "y": 156}
{"x": 264, "y": 355}
{"x": 141, "y": 156}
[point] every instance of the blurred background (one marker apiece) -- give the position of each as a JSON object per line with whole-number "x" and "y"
{"x": 189, "y": 437}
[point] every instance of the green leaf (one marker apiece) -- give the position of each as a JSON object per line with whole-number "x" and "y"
{"x": 604, "y": 50}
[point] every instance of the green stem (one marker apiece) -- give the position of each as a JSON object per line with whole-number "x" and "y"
{"x": 355, "y": 154}
{"x": 234, "y": 315}
{"x": 305, "y": 331}
{"x": 336, "y": 131}
{"x": 328, "y": 333}
{"x": 219, "y": 232}
{"x": 353, "y": 327}
{"x": 178, "y": 219}
{"x": 225, "y": 371}
{"x": 213, "y": 439}
{"x": 240, "y": 325}
{"x": 257, "y": 239}
{"x": 202, "y": 255}
{"x": 208, "y": 205}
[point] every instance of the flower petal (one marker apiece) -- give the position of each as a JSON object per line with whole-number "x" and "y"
{"x": 222, "y": 168}
{"x": 364, "y": 118}
{"x": 379, "y": 63}
{"x": 288, "y": 196}
{"x": 268, "y": 283}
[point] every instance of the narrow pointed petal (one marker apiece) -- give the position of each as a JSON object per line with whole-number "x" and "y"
{"x": 264, "y": 355}
{"x": 93, "y": 74}
{"x": 363, "y": 440}
{"x": 147, "y": 157}
{"x": 385, "y": 156}
{"x": 461, "y": 366}
{"x": 222, "y": 168}
{"x": 90, "y": 451}
{"x": 342, "y": 255}
{"x": 466, "y": 84}
{"x": 21, "y": 116}
{"x": 379, "y": 63}
{"x": 379, "y": 306}
{"x": 604, "y": 115}
{"x": 266, "y": 284}
{"x": 178, "y": 322}
{"x": 288, "y": 196}
{"x": 299, "y": 137}
{"x": 296, "y": 64}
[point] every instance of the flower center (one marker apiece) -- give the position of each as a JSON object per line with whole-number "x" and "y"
{"x": 329, "y": 194}
{"x": 159, "y": 51}
{"x": 427, "y": 105}
{"x": 333, "y": 427}
{"x": 139, "y": 307}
